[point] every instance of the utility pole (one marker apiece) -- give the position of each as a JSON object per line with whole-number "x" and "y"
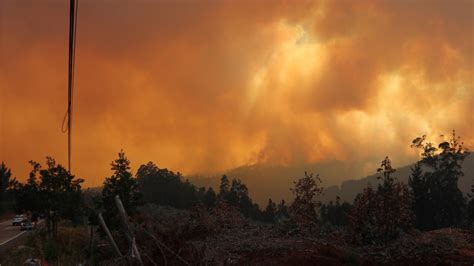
{"x": 72, "y": 48}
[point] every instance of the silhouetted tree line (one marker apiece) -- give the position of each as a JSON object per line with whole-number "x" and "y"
{"x": 164, "y": 187}
{"x": 335, "y": 213}
{"x": 236, "y": 194}
{"x": 430, "y": 200}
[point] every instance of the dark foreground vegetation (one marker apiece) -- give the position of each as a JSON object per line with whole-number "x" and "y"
{"x": 169, "y": 221}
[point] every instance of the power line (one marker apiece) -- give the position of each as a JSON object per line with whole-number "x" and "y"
{"x": 72, "y": 52}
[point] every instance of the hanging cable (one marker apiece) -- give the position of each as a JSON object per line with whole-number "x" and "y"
{"x": 72, "y": 52}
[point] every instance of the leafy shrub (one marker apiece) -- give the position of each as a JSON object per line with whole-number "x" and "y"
{"x": 380, "y": 215}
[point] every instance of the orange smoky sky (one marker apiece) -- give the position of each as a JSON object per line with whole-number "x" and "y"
{"x": 204, "y": 86}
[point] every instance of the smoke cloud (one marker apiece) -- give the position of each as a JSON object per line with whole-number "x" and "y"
{"x": 201, "y": 87}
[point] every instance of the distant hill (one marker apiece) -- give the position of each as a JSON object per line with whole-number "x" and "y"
{"x": 275, "y": 181}
{"x": 350, "y": 188}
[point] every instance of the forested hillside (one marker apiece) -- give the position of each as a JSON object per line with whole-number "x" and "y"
{"x": 266, "y": 181}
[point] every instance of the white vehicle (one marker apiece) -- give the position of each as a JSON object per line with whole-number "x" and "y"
{"x": 27, "y": 225}
{"x": 18, "y": 219}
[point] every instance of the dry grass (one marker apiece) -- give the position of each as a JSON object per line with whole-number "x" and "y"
{"x": 68, "y": 248}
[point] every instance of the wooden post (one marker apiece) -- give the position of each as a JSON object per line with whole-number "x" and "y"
{"x": 123, "y": 214}
{"x": 128, "y": 232}
{"x": 109, "y": 235}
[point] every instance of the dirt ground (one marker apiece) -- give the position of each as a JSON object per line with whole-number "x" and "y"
{"x": 264, "y": 245}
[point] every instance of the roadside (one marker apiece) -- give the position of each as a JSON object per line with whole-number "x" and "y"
{"x": 17, "y": 240}
{"x": 67, "y": 248}
{"x": 11, "y": 236}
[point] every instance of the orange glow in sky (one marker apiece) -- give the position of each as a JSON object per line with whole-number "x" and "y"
{"x": 201, "y": 87}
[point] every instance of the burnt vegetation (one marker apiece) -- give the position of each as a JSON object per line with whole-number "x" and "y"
{"x": 170, "y": 221}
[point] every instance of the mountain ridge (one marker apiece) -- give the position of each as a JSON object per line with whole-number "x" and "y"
{"x": 275, "y": 181}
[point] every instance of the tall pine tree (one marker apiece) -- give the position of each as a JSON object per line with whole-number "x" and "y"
{"x": 123, "y": 184}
